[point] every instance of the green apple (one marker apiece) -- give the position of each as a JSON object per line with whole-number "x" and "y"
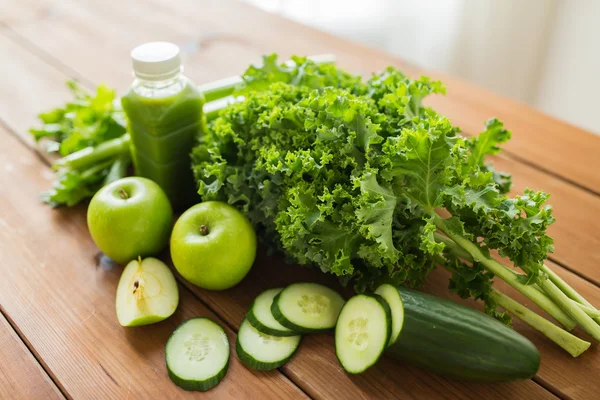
{"x": 147, "y": 293}
{"x": 130, "y": 217}
{"x": 213, "y": 245}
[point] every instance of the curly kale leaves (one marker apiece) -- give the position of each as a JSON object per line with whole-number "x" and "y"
{"x": 349, "y": 177}
{"x": 301, "y": 72}
{"x": 488, "y": 143}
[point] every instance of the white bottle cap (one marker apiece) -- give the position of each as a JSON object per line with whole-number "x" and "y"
{"x": 156, "y": 61}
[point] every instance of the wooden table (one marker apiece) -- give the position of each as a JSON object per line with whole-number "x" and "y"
{"x": 59, "y": 336}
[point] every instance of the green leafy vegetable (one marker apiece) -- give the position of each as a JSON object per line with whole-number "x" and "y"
{"x": 299, "y": 72}
{"x": 89, "y": 131}
{"x": 488, "y": 143}
{"x": 358, "y": 178}
{"x": 87, "y": 120}
{"x": 351, "y": 176}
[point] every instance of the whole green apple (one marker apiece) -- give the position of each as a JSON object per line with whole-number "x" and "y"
{"x": 130, "y": 217}
{"x": 213, "y": 245}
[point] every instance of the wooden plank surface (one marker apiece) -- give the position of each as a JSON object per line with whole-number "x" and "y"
{"x": 215, "y": 46}
{"x": 574, "y": 231}
{"x": 64, "y": 304}
{"x": 73, "y": 33}
{"x": 315, "y": 366}
{"x": 21, "y": 377}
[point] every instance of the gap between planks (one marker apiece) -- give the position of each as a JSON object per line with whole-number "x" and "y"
{"x": 34, "y": 354}
{"x": 521, "y": 160}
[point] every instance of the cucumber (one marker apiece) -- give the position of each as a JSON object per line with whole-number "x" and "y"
{"x": 197, "y": 354}
{"x": 460, "y": 342}
{"x": 261, "y": 318}
{"x": 264, "y": 352}
{"x": 362, "y": 332}
{"x": 391, "y": 295}
{"x": 307, "y": 307}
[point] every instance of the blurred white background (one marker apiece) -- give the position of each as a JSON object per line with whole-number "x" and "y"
{"x": 541, "y": 52}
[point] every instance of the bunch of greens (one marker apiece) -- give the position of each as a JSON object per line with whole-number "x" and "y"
{"x": 363, "y": 181}
{"x": 87, "y": 121}
{"x": 89, "y": 132}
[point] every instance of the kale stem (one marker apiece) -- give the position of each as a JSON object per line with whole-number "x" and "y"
{"x": 562, "y": 285}
{"x": 571, "y": 343}
{"x": 579, "y": 315}
{"x": 581, "y": 303}
{"x": 592, "y": 312}
{"x": 575, "y": 299}
{"x": 572, "y": 294}
{"x": 508, "y": 276}
{"x": 453, "y": 247}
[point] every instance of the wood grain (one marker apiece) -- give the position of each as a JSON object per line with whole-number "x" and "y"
{"x": 76, "y": 35}
{"x": 74, "y": 32}
{"x": 21, "y": 377}
{"x": 64, "y": 303}
{"x": 574, "y": 230}
{"x": 315, "y": 367}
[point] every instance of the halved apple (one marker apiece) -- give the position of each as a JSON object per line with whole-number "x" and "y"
{"x": 147, "y": 293}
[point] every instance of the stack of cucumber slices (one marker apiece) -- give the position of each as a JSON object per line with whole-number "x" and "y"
{"x": 273, "y": 328}
{"x": 433, "y": 333}
{"x": 197, "y": 353}
{"x": 364, "y": 325}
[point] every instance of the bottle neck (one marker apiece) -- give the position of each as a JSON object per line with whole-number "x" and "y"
{"x": 162, "y": 88}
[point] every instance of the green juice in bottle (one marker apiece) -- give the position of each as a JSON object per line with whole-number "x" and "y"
{"x": 165, "y": 119}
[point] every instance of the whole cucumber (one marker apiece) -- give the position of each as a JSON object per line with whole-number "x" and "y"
{"x": 460, "y": 342}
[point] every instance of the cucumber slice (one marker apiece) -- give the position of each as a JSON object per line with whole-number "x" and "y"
{"x": 264, "y": 352}
{"x": 197, "y": 354}
{"x": 262, "y": 319}
{"x": 392, "y": 296}
{"x": 362, "y": 332}
{"x": 307, "y": 307}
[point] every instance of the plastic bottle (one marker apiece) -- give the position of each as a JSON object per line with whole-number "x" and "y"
{"x": 165, "y": 118}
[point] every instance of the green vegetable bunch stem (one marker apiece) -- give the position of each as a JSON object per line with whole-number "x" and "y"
{"x": 363, "y": 181}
